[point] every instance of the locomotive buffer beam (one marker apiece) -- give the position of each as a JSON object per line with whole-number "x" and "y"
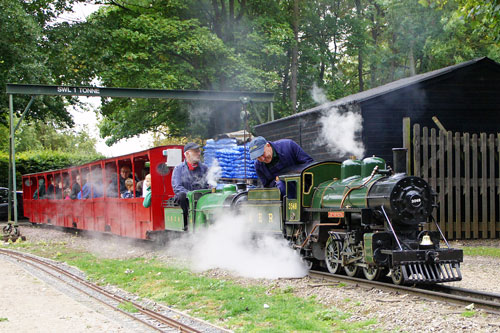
{"x": 428, "y": 266}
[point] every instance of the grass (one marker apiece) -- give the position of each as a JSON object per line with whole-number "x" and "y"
{"x": 127, "y": 306}
{"x": 222, "y": 302}
{"x": 4, "y": 319}
{"x": 468, "y": 314}
{"x": 482, "y": 251}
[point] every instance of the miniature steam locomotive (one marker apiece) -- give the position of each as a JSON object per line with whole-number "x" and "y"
{"x": 355, "y": 216}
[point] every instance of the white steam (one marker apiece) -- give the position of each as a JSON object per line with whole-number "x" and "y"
{"x": 340, "y": 130}
{"x": 230, "y": 244}
{"x": 214, "y": 173}
{"x": 318, "y": 95}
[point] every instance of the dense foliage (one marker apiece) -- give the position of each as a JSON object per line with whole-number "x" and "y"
{"x": 36, "y": 161}
{"x": 284, "y": 46}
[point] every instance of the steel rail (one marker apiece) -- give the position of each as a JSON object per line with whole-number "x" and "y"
{"x": 152, "y": 314}
{"x": 489, "y": 302}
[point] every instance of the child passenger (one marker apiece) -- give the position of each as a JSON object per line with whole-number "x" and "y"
{"x": 66, "y": 194}
{"x": 129, "y": 193}
{"x": 147, "y": 193}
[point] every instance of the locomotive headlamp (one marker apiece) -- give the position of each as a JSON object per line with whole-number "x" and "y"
{"x": 426, "y": 241}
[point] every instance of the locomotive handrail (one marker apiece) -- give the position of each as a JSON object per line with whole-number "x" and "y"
{"x": 314, "y": 228}
{"x": 392, "y": 229}
{"x": 442, "y": 235}
{"x": 375, "y": 169}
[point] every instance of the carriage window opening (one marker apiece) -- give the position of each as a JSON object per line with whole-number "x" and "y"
{"x": 97, "y": 183}
{"x": 86, "y": 185}
{"x": 76, "y": 184}
{"x": 141, "y": 168}
{"x": 41, "y": 190}
{"x": 291, "y": 189}
{"x": 110, "y": 173}
{"x": 65, "y": 185}
{"x": 33, "y": 188}
{"x": 51, "y": 188}
{"x": 308, "y": 182}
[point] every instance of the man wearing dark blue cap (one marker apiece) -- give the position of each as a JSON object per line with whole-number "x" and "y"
{"x": 276, "y": 158}
{"x": 189, "y": 176}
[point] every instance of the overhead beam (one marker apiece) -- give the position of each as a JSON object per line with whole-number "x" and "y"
{"x": 205, "y": 95}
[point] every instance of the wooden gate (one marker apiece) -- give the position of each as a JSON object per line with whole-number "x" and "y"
{"x": 464, "y": 170}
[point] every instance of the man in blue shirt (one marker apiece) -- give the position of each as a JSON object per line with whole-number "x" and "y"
{"x": 276, "y": 158}
{"x": 189, "y": 176}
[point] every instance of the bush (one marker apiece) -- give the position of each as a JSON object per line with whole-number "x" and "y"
{"x": 38, "y": 161}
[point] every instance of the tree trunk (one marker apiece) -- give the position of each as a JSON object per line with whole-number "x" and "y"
{"x": 360, "y": 50}
{"x": 295, "y": 53}
{"x": 411, "y": 60}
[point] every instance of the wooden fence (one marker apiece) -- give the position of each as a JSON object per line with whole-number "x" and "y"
{"x": 464, "y": 170}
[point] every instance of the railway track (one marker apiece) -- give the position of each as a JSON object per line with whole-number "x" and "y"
{"x": 146, "y": 316}
{"x": 489, "y": 302}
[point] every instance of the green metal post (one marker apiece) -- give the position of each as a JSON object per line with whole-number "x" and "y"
{"x": 271, "y": 111}
{"x": 13, "y": 157}
{"x": 9, "y": 207}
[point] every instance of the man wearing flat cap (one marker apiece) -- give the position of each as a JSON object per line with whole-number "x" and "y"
{"x": 275, "y": 158}
{"x": 189, "y": 176}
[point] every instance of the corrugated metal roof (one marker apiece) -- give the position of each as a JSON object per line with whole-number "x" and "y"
{"x": 387, "y": 88}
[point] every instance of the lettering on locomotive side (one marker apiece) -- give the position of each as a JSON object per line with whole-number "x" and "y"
{"x": 260, "y": 217}
{"x": 335, "y": 215}
{"x": 270, "y": 217}
{"x": 292, "y": 205}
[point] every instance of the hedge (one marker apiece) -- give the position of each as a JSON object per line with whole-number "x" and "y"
{"x": 37, "y": 161}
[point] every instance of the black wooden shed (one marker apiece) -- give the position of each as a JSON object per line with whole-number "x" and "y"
{"x": 464, "y": 97}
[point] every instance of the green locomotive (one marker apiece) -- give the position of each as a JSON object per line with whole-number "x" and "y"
{"x": 356, "y": 216}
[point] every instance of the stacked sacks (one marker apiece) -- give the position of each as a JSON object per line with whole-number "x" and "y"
{"x": 231, "y": 158}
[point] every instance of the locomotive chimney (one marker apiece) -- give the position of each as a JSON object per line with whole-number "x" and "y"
{"x": 399, "y": 160}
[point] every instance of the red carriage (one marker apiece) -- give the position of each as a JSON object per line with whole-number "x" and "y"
{"x": 102, "y": 211}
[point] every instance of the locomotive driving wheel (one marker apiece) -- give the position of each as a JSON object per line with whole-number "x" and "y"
{"x": 351, "y": 269}
{"x": 333, "y": 249}
{"x": 373, "y": 273}
{"x": 397, "y": 275}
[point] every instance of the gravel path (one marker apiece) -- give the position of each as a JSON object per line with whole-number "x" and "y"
{"x": 30, "y": 302}
{"x": 392, "y": 312}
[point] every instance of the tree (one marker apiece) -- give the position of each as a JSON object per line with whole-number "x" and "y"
{"x": 23, "y": 60}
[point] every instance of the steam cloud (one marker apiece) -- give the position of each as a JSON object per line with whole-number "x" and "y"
{"x": 228, "y": 244}
{"x": 340, "y": 130}
{"x": 214, "y": 173}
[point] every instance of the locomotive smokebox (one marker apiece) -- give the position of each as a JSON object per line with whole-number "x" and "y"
{"x": 399, "y": 158}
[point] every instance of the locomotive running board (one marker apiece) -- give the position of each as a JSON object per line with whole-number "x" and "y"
{"x": 431, "y": 273}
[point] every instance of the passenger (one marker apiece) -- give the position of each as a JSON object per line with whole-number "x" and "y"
{"x": 40, "y": 192}
{"x": 85, "y": 192}
{"x": 189, "y": 176}
{"x": 138, "y": 188}
{"x": 59, "y": 189}
{"x": 129, "y": 193}
{"x": 76, "y": 188}
{"x": 66, "y": 194}
{"x": 125, "y": 173}
{"x": 51, "y": 189}
{"x": 276, "y": 158}
{"x": 147, "y": 195}
{"x": 146, "y": 185}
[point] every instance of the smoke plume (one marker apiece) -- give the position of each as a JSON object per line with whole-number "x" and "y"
{"x": 340, "y": 129}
